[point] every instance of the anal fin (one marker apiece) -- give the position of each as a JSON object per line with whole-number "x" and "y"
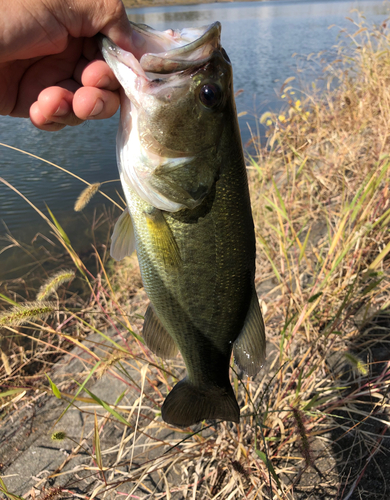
{"x": 123, "y": 238}
{"x": 156, "y": 336}
{"x": 249, "y": 347}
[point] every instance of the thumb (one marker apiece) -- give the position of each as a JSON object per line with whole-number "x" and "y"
{"x": 85, "y": 18}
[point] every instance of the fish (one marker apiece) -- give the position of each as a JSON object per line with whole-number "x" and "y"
{"x": 188, "y": 214}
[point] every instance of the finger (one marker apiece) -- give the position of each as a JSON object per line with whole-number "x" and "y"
{"x": 55, "y": 105}
{"x": 41, "y": 122}
{"x": 47, "y": 72}
{"x": 85, "y": 18}
{"x": 111, "y": 19}
{"x": 96, "y": 74}
{"x": 91, "y": 103}
{"x": 91, "y": 49}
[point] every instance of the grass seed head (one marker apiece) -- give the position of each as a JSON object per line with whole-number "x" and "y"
{"x": 86, "y": 196}
{"x": 54, "y": 282}
{"x": 29, "y": 311}
{"x": 58, "y": 436}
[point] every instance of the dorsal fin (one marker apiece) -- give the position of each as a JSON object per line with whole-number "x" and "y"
{"x": 156, "y": 336}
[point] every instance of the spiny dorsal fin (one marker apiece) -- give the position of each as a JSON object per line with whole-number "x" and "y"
{"x": 123, "y": 239}
{"x": 249, "y": 348}
{"x": 156, "y": 337}
{"x": 163, "y": 238}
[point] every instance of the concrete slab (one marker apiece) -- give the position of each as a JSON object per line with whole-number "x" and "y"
{"x": 32, "y": 460}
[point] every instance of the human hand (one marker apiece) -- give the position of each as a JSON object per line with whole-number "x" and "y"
{"x": 50, "y": 66}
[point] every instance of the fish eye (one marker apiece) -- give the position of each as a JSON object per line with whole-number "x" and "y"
{"x": 210, "y": 95}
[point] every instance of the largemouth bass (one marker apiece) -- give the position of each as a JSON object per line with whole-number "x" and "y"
{"x": 188, "y": 213}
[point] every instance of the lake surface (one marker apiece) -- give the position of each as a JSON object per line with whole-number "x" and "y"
{"x": 260, "y": 39}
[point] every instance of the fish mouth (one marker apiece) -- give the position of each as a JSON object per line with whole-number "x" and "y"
{"x": 159, "y": 53}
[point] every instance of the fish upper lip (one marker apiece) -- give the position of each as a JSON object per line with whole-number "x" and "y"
{"x": 195, "y": 53}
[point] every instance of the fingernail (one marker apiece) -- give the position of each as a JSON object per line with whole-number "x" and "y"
{"x": 103, "y": 82}
{"x": 98, "y": 108}
{"x": 63, "y": 109}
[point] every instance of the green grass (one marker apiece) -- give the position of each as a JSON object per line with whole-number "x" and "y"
{"x": 320, "y": 198}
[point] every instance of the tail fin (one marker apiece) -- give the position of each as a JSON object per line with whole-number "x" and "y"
{"x": 187, "y": 404}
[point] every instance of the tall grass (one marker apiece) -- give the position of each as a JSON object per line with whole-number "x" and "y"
{"x": 320, "y": 197}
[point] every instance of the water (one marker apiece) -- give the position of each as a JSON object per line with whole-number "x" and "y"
{"x": 260, "y": 39}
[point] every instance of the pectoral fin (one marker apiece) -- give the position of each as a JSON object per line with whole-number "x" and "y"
{"x": 156, "y": 337}
{"x": 249, "y": 348}
{"x": 123, "y": 238}
{"x": 163, "y": 239}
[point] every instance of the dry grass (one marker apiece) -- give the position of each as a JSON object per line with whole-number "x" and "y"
{"x": 321, "y": 208}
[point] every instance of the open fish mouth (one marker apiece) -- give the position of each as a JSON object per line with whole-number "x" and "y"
{"x": 162, "y": 52}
